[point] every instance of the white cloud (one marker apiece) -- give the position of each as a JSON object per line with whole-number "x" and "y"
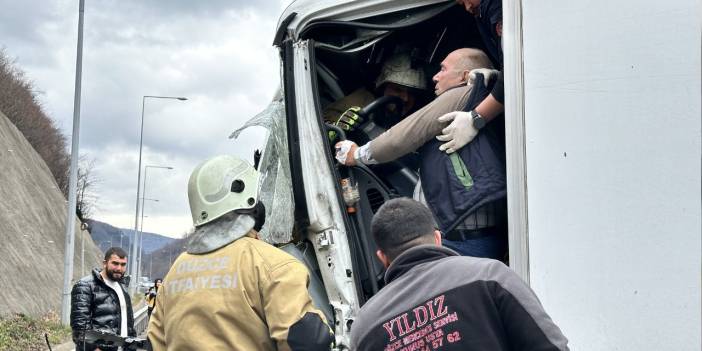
{"x": 216, "y": 53}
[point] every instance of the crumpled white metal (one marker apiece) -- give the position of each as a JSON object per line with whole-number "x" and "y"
{"x": 275, "y": 185}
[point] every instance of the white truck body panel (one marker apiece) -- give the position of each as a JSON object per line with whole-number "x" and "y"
{"x": 612, "y": 130}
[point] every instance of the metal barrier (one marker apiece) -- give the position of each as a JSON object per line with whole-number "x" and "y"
{"x": 141, "y": 320}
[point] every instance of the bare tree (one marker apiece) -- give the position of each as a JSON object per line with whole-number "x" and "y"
{"x": 86, "y": 198}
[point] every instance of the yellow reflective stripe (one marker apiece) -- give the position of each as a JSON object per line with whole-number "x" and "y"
{"x": 461, "y": 170}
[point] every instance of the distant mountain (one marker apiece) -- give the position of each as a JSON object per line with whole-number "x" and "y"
{"x": 157, "y": 263}
{"x": 105, "y": 236}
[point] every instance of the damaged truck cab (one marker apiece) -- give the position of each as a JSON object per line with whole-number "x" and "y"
{"x": 575, "y": 110}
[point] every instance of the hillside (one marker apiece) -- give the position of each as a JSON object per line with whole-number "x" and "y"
{"x": 105, "y": 235}
{"x": 32, "y": 223}
{"x": 157, "y": 263}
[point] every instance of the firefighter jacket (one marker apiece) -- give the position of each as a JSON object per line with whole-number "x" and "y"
{"x": 436, "y": 300}
{"x": 247, "y": 295}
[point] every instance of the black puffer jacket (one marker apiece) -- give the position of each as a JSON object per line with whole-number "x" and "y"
{"x": 95, "y": 306}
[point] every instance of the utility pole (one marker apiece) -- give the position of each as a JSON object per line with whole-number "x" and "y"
{"x": 82, "y": 254}
{"x": 73, "y": 178}
{"x": 133, "y": 265}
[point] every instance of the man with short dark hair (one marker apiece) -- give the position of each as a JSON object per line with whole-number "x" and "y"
{"x": 437, "y": 299}
{"x": 100, "y": 302}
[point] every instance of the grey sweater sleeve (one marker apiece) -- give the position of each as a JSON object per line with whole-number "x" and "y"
{"x": 419, "y": 127}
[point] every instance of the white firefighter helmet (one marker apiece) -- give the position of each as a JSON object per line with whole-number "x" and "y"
{"x": 221, "y": 185}
{"x": 398, "y": 69}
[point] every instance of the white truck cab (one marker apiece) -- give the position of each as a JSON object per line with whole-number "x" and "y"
{"x": 603, "y": 156}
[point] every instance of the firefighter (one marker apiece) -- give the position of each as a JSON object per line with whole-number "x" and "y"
{"x": 397, "y": 78}
{"x": 231, "y": 291}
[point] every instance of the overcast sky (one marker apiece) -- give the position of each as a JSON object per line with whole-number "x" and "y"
{"x": 217, "y": 53}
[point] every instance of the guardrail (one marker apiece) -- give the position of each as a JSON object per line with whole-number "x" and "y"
{"x": 141, "y": 320}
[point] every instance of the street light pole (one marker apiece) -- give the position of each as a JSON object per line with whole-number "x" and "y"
{"x": 132, "y": 267}
{"x": 73, "y": 178}
{"x": 141, "y": 232}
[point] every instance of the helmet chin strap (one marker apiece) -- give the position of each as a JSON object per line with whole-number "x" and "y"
{"x": 219, "y": 233}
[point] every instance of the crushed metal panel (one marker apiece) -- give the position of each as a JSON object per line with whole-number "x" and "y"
{"x": 275, "y": 184}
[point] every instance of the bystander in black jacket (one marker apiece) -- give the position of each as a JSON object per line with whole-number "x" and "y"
{"x": 435, "y": 299}
{"x": 95, "y": 306}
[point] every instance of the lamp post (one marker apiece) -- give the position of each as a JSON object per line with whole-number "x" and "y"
{"x": 140, "y": 232}
{"x": 132, "y": 267}
{"x": 73, "y": 177}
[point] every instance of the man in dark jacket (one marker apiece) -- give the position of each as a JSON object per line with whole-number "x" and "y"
{"x": 436, "y": 299}
{"x": 100, "y": 302}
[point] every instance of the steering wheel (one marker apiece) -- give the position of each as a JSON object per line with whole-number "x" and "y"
{"x": 376, "y": 105}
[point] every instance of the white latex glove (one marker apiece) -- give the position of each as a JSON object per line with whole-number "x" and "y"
{"x": 344, "y": 152}
{"x": 486, "y": 72}
{"x": 457, "y": 134}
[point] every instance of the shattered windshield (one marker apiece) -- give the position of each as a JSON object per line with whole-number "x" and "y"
{"x": 276, "y": 186}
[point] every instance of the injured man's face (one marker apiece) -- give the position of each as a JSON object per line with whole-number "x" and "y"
{"x": 449, "y": 75}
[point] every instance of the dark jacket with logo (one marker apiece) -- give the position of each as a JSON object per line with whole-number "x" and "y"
{"x": 487, "y": 20}
{"x": 456, "y": 185}
{"x": 490, "y": 14}
{"x": 435, "y": 299}
{"x": 95, "y": 306}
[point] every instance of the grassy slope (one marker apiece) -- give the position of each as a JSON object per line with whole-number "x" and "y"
{"x": 21, "y": 332}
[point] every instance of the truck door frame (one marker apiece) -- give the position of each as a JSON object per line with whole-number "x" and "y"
{"x": 515, "y": 141}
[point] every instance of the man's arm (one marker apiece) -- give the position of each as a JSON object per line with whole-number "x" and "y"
{"x": 407, "y": 135}
{"x": 81, "y": 314}
{"x": 293, "y": 322}
{"x": 461, "y": 131}
{"x": 418, "y": 128}
{"x": 494, "y": 103}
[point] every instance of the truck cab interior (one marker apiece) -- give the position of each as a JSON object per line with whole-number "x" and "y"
{"x": 348, "y": 55}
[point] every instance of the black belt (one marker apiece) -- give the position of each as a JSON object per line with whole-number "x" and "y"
{"x": 469, "y": 234}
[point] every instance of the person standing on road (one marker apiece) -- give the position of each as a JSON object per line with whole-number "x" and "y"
{"x": 231, "y": 291}
{"x": 435, "y": 299}
{"x": 151, "y": 295}
{"x": 100, "y": 301}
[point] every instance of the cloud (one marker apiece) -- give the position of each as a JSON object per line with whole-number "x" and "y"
{"x": 216, "y": 53}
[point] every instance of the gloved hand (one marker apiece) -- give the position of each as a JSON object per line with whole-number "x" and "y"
{"x": 332, "y": 135}
{"x": 344, "y": 152}
{"x": 349, "y": 120}
{"x": 486, "y": 72}
{"x": 457, "y": 134}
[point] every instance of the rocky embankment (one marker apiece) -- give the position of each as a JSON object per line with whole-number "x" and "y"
{"x": 32, "y": 227}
